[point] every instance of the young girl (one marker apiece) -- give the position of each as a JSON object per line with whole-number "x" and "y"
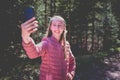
{"x": 58, "y": 62}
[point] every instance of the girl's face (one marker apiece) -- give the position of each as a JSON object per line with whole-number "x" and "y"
{"x": 57, "y": 27}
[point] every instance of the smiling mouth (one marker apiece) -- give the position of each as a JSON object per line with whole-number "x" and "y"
{"x": 57, "y": 31}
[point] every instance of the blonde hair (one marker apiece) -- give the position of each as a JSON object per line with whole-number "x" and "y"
{"x": 63, "y": 35}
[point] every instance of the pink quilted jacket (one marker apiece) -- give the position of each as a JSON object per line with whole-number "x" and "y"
{"x": 53, "y": 66}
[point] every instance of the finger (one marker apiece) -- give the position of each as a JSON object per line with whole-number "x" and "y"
{"x": 67, "y": 46}
{"x": 25, "y": 24}
{"x": 32, "y": 27}
{"x": 29, "y": 21}
{"x": 33, "y": 30}
{"x": 32, "y": 24}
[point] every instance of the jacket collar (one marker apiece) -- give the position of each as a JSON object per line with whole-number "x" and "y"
{"x": 54, "y": 40}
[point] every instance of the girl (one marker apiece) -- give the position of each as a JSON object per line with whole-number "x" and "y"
{"x": 58, "y": 62}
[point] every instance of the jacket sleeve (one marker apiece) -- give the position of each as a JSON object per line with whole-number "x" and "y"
{"x": 72, "y": 64}
{"x": 34, "y": 50}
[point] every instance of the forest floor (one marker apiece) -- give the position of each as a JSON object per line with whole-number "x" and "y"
{"x": 87, "y": 68}
{"x": 107, "y": 68}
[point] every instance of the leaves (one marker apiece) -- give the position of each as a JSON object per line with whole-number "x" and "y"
{"x": 91, "y": 25}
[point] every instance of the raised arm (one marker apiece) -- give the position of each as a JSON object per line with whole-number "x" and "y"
{"x": 31, "y": 49}
{"x": 35, "y": 50}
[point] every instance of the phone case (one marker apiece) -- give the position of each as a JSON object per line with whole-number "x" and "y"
{"x": 28, "y": 13}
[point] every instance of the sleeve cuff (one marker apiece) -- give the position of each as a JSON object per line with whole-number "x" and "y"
{"x": 27, "y": 44}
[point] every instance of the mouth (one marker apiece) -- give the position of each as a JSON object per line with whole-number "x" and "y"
{"x": 58, "y": 32}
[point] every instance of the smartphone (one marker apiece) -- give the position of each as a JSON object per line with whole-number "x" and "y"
{"x": 28, "y": 13}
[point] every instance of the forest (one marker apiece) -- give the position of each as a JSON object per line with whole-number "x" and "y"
{"x": 93, "y": 32}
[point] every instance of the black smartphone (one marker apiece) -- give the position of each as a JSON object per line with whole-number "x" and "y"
{"x": 28, "y": 13}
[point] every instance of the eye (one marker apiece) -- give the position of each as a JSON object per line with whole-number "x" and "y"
{"x": 59, "y": 25}
{"x": 53, "y": 24}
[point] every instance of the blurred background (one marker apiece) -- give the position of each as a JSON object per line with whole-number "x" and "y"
{"x": 93, "y": 32}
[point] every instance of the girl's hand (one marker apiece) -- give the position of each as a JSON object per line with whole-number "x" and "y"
{"x": 68, "y": 76}
{"x": 27, "y": 28}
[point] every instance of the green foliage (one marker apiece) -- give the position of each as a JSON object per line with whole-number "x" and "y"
{"x": 101, "y": 55}
{"x": 92, "y": 25}
{"x": 118, "y": 49}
